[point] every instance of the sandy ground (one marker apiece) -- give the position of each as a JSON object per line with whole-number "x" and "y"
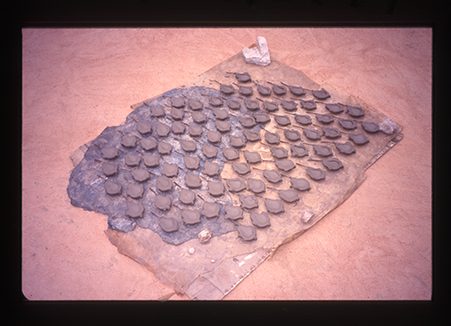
{"x": 76, "y": 82}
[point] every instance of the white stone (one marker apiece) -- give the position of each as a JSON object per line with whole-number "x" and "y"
{"x": 191, "y": 250}
{"x": 258, "y": 55}
{"x": 387, "y": 126}
{"x": 307, "y": 215}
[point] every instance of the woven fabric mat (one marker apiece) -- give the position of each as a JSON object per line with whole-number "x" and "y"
{"x": 208, "y": 271}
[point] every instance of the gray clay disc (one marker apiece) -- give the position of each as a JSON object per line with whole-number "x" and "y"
{"x": 210, "y": 210}
{"x": 248, "y": 202}
{"x": 331, "y": 133}
{"x": 221, "y": 114}
{"x": 292, "y": 135}
{"x": 289, "y": 105}
{"x": 109, "y": 152}
{"x": 274, "y": 206}
{"x": 347, "y": 124}
{"x": 251, "y": 104}
{"x": 358, "y": 139}
{"x": 233, "y": 212}
{"x": 140, "y": 175}
{"x": 257, "y": 186}
{"x": 195, "y": 131}
{"x": 279, "y": 152}
{"x": 157, "y": 111}
{"x": 321, "y": 94}
{"x": 260, "y": 220}
{"x": 215, "y": 101}
{"x": 163, "y": 203}
{"x": 213, "y": 136}
{"x": 245, "y": 90}
{"x": 170, "y": 170}
{"x": 211, "y": 169}
{"x": 285, "y": 165}
{"x": 164, "y": 148}
{"x": 252, "y": 135}
{"x": 334, "y": 108}
{"x": 191, "y": 163}
{"x": 178, "y": 102}
{"x": 300, "y": 184}
{"x": 199, "y": 117}
{"x": 355, "y": 111}
{"x": 324, "y": 118}
{"x": 134, "y": 210}
{"x": 279, "y": 90}
{"x": 112, "y": 188}
{"x": 308, "y": 105}
{"x": 345, "y": 148}
{"x": 163, "y": 130}
{"x": 188, "y": 145}
{"x": 129, "y": 141}
{"x": 263, "y": 90}
{"x": 282, "y": 120}
{"x": 332, "y": 164}
{"x": 216, "y": 189}
{"x": 110, "y": 168}
{"x": 232, "y": 104}
{"x": 370, "y": 127}
{"x": 192, "y": 180}
{"x": 135, "y": 190}
{"x": 288, "y": 195}
{"x": 247, "y": 121}
{"x": 235, "y": 185}
{"x": 151, "y": 161}
{"x": 312, "y": 134}
{"x": 223, "y": 126}
{"x": 247, "y": 233}
{"x": 187, "y": 197}
{"x": 132, "y": 160}
{"x": 195, "y": 105}
{"x": 230, "y": 154}
{"x": 164, "y": 183}
{"x": 190, "y": 217}
{"x": 322, "y": 150}
{"x": 237, "y": 141}
{"x": 168, "y": 224}
{"x": 241, "y": 168}
{"x": 298, "y": 150}
{"x": 209, "y": 151}
{"x": 148, "y": 144}
{"x": 243, "y": 77}
{"x": 272, "y": 176}
{"x": 177, "y": 114}
{"x": 252, "y": 157}
{"x": 262, "y": 117}
{"x": 144, "y": 128}
{"x": 270, "y": 106}
{"x": 272, "y": 138}
{"x": 316, "y": 174}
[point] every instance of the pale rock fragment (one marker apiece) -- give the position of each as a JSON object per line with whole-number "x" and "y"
{"x": 258, "y": 55}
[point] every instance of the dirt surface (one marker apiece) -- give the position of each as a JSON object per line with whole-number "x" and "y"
{"x": 76, "y": 82}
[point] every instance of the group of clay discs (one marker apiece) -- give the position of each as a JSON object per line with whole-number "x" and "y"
{"x": 153, "y": 143}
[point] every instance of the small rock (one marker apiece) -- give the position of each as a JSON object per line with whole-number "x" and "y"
{"x": 387, "y": 126}
{"x": 306, "y": 216}
{"x": 191, "y": 250}
{"x": 258, "y": 55}
{"x": 204, "y": 236}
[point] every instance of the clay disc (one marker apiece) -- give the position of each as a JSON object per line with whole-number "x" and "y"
{"x": 308, "y": 105}
{"x": 321, "y": 94}
{"x": 249, "y": 202}
{"x": 209, "y": 151}
{"x": 289, "y": 105}
{"x": 251, "y": 104}
{"x": 256, "y": 186}
{"x": 300, "y": 184}
{"x": 347, "y": 124}
{"x": 129, "y": 141}
{"x": 149, "y": 144}
{"x": 312, "y": 134}
{"x": 210, "y": 169}
{"x": 232, "y": 104}
{"x": 252, "y": 135}
{"x": 297, "y": 90}
{"x": 285, "y": 165}
{"x": 213, "y": 136}
{"x": 132, "y": 160}
{"x": 303, "y": 119}
{"x": 359, "y": 139}
{"x": 233, "y": 212}
{"x": 144, "y": 128}
{"x": 252, "y": 157}
{"x": 243, "y": 77}
{"x": 282, "y": 120}
{"x": 226, "y": 89}
{"x": 199, "y": 117}
{"x": 247, "y": 233}
{"x": 195, "y": 105}
{"x": 289, "y": 196}
{"x": 190, "y": 217}
{"x": 135, "y": 190}
{"x": 279, "y": 152}
{"x": 274, "y": 206}
{"x": 163, "y": 130}
{"x": 262, "y": 117}
{"x": 163, "y": 203}
{"x": 195, "y": 131}
{"x": 221, "y": 114}
{"x": 223, "y": 126}
{"x": 230, "y": 154}
{"x": 164, "y": 183}
{"x": 272, "y": 176}
{"x": 298, "y": 150}
{"x": 279, "y": 90}
{"x": 112, "y": 188}
{"x": 316, "y": 174}
{"x": 260, "y": 220}
{"x": 170, "y": 170}
{"x": 245, "y": 90}
{"x": 188, "y": 145}
{"x": 370, "y": 127}
{"x": 241, "y": 168}
{"x": 109, "y": 152}
{"x": 292, "y": 135}
{"x": 168, "y": 224}
{"x": 235, "y": 185}
{"x": 237, "y": 141}
{"x": 110, "y": 168}
{"x": 157, "y": 111}
{"x": 332, "y": 164}
{"x": 322, "y": 150}
{"x": 151, "y": 161}
{"x": 178, "y": 128}
{"x": 345, "y": 148}
{"x": 187, "y": 197}
{"x": 331, "y": 133}
{"x": 272, "y": 138}
{"x": 191, "y": 163}
{"x": 215, "y": 101}
{"x": 355, "y": 111}
{"x": 263, "y": 90}
{"x": 178, "y": 102}
{"x": 216, "y": 189}
{"x": 270, "y": 106}
{"x": 192, "y": 180}
{"x": 140, "y": 175}
{"x": 210, "y": 210}
{"x": 164, "y": 148}
{"x": 324, "y": 118}
{"x": 134, "y": 210}
{"x": 335, "y": 108}
{"x": 247, "y": 122}
{"x": 177, "y": 114}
